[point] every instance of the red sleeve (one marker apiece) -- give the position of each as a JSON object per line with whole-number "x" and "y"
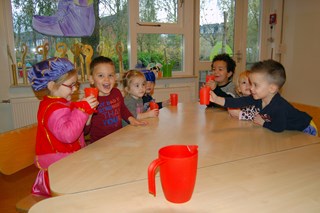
{"x": 83, "y": 106}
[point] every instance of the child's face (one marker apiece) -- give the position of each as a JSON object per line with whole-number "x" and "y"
{"x": 150, "y": 87}
{"x": 104, "y": 78}
{"x": 220, "y": 72}
{"x": 244, "y": 86}
{"x": 137, "y": 87}
{"x": 66, "y": 89}
{"x": 261, "y": 88}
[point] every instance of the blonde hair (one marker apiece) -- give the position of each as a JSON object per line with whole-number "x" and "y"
{"x": 128, "y": 77}
{"x": 242, "y": 75}
{"x": 65, "y": 77}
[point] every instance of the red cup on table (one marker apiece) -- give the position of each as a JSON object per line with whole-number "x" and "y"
{"x": 204, "y": 95}
{"x": 174, "y": 99}
{"x": 209, "y": 78}
{"x": 153, "y": 105}
{"x": 91, "y": 91}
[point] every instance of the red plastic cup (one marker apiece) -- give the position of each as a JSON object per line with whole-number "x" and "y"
{"x": 204, "y": 95}
{"x": 209, "y": 78}
{"x": 153, "y": 105}
{"x": 174, "y": 99}
{"x": 178, "y": 171}
{"x": 91, "y": 91}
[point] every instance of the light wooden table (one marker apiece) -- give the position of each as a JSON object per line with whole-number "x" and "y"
{"x": 124, "y": 156}
{"x": 285, "y": 181}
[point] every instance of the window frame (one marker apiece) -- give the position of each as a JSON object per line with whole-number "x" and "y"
{"x": 185, "y": 16}
{"x": 6, "y": 33}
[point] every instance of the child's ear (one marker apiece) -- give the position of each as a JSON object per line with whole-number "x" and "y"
{"x": 51, "y": 85}
{"x": 230, "y": 74}
{"x": 273, "y": 88}
{"x": 91, "y": 80}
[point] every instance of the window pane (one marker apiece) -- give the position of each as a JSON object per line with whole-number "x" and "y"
{"x": 253, "y": 32}
{"x": 108, "y": 39}
{"x": 165, "y": 11}
{"x": 160, "y": 48}
{"x": 216, "y": 28}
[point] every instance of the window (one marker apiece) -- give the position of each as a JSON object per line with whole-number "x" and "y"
{"x": 154, "y": 29}
{"x": 158, "y": 11}
{"x": 109, "y": 37}
{"x": 162, "y": 33}
{"x": 227, "y": 26}
{"x": 216, "y": 28}
{"x": 253, "y": 32}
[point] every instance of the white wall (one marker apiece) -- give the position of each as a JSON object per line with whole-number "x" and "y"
{"x": 301, "y": 57}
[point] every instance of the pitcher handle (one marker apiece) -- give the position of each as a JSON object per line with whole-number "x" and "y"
{"x": 151, "y": 175}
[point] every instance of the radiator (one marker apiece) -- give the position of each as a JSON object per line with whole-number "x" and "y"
{"x": 24, "y": 111}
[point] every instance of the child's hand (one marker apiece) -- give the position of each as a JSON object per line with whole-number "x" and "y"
{"x": 211, "y": 84}
{"x": 213, "y": 96}
{"x": 92, "y": 101}
{"x": 216, "y": 99}
{"x": 234, "y": 112}
{"x": 258, "y": 120}
{"x": 135, "y": 122}
{"x": 148, "y": 114}
{"x": 166, "y": 103}
{"x": 153, "y": 113}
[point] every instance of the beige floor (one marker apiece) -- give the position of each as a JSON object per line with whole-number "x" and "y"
{"x": 15, "y": 187}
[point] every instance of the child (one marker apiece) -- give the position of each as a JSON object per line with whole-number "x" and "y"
{"x": 151, "y": 81}
{"x": 134, "y": 84}
{"x": 111, "y": 109}
{"x": 243, "y": 89}
{"x": 223, "y": 67}
{"x": 267, "y": 78}
{"x": 60, "y": 121}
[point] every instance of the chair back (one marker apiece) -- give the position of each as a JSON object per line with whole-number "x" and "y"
{"x": 313, "y": 111}
{"x": 17, "y": 149}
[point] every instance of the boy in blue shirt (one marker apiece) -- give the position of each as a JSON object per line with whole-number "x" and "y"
{"x": 267, "y": 78}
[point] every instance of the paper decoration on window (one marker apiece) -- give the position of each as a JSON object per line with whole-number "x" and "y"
{"x": 74, "y": 18}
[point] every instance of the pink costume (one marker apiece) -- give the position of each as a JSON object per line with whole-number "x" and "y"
{"x": 59, "y": 133}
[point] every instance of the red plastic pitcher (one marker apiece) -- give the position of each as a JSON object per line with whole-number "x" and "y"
{"x": 178, "y": 171}
{"x": 204, "y": 95}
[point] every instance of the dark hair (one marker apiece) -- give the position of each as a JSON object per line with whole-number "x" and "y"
{"x": 231, "y": 64}
{"x": 274, "y": 70}
{"x": 99, "y": 60}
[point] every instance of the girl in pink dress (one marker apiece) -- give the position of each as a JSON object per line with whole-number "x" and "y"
{"x": 60, "y": 121}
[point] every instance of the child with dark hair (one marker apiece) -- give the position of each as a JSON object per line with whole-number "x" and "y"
{"x": 223, "y": 68}
{"x": 275, "y": 113}
{"x": 151, "y": 81}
